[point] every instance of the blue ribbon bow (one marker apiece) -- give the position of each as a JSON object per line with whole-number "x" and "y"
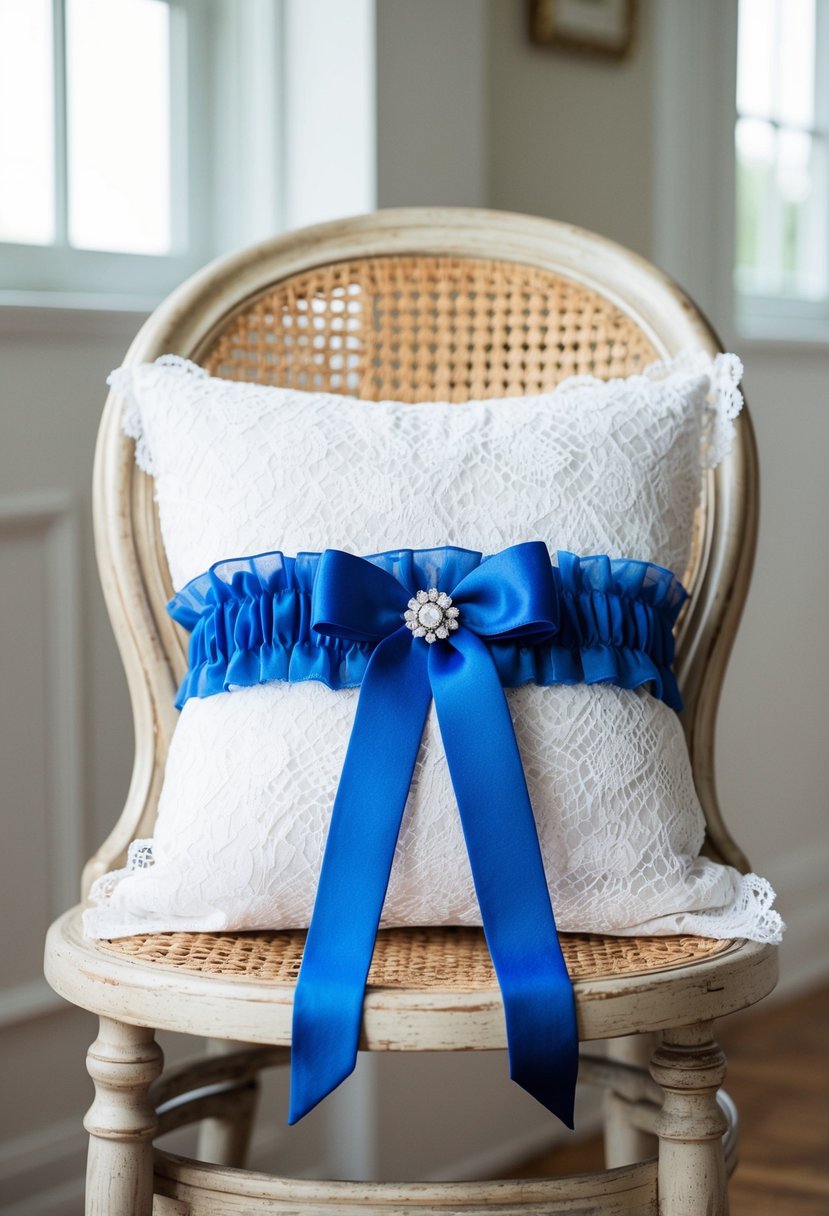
{"x": 510, "y": 596}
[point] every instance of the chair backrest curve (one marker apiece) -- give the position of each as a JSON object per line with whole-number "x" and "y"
{"x": 416, "y": 304}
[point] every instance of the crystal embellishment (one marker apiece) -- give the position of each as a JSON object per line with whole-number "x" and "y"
{"x": 431, "y": 616}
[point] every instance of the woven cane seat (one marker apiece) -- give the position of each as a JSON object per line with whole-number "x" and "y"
{"x": 453, "y": 959}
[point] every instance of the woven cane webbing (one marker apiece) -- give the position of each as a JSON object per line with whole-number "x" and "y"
{"x": 455, "y": 959}
{"x": 423, "y": 328}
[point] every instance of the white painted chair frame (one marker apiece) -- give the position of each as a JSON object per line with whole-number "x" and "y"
{"x": 678, "y": 1103}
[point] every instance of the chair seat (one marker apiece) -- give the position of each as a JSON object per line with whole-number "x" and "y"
{"x": 451, "y": 959}
{"x": 429, "y": 989}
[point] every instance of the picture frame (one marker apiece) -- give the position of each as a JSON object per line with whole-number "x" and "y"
{"x": 594, "y": 27}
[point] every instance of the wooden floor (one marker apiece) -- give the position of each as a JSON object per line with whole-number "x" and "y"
{"x": 778, "y": 1074}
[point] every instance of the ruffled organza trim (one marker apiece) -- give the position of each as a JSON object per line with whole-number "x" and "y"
{"x": 250, "y": 620}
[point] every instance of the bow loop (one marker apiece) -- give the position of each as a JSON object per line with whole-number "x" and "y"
{"x": 511, "y": 595}
{"x": 355, "y": 599}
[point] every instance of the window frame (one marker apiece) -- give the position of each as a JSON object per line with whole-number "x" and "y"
{"x": 61, "y": 275}
{"x": 247, "y": 164}
{"x": 694, "y": 178}
{"x": 785, "y": 316}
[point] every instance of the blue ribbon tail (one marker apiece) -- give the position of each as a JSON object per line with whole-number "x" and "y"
{"x": 505, "y": 858}
{"x": 365, "y": 823}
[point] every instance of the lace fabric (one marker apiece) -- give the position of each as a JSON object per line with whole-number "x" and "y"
{"x": 593, "y": 467}
{"x": 245, "y": 811}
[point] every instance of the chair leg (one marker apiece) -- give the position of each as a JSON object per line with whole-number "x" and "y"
{"x": 625, "y": 1144}
{"x": 123, "y": 1062}
{"x": 690, "y": 1067}
{"x": 224, "y": 1139}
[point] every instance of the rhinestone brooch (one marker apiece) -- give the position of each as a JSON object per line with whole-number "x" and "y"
{"x": 430, "y": 615}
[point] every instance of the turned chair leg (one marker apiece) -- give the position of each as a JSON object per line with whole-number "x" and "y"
{"x": 625, "y": 1143}
{"x": 690, "y": 1067}
{"x": 123, "y": 1062}
{"x": 225, "y": 1139}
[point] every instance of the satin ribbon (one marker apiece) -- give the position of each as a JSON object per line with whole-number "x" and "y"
{"x": 510, "y": 596}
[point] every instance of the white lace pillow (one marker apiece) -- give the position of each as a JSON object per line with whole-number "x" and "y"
{"x": 593, "y": 467}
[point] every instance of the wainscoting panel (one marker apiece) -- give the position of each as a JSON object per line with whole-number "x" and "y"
{"x": 41, "y": 745}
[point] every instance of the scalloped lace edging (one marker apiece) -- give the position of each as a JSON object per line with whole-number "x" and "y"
{"x": 752, "y": 915}
{"x": 749, "y": 915}
{"x": 124, "y": 381}
{"x": 723, "y": 402}
{"x": 139, "y": 857}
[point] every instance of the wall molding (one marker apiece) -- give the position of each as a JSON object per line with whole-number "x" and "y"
{"x": 53, "y": 515}
{"x": 46, "y": 315}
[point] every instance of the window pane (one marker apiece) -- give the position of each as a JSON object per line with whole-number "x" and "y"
{"x": 782, "y": 186}
{"x": 755, "y": 57}
{"x": 796, "y": 58}
{"x": 27, "y": 183}
{"x": 118, "y": 97}
{"x": 776, "y": 61}
{"x": 781, "y": 223}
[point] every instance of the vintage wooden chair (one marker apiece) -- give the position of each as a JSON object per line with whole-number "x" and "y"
{"x": 410, "y": 304}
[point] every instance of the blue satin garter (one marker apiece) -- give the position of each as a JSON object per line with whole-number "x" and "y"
{"x": 412, "y": 626}
{"x": 251, "y": 622}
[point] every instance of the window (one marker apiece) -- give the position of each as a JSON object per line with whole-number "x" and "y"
{"x": 140, "y": 138}
{"x": 99, "y": 144}
{"x": 782, "y": 182}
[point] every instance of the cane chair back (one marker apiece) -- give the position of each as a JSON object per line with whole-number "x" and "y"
{"x": 417, "y": 305}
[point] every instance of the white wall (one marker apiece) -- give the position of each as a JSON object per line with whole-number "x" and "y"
{"x": 432, "y": 137}
{"x": 569, "y": 136}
